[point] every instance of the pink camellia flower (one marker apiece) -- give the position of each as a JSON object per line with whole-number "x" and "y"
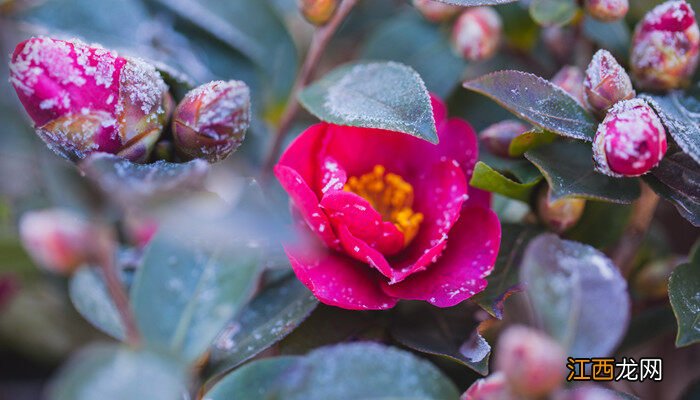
{"x": 477, "y": 33}
{"x": 392, "y": 216}
{"x": 665, "y": 47}
{"x": 607, "y": 10}
{"x": 630, "y": 141}
{"x": 83, "y": 98}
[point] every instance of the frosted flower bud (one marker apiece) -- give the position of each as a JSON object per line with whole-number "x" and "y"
{"x": 559, "y": 215}
{"x": 435, "y": 11}
{"x": 606, "y": 82}
{"x": 83, "y": 98}
{"x": 665, "y": 47}
{"x": 477, "y": 33}
{"x": 630, "y": 141}
{"x": 498, "y": 136}
{"x": 533, "y": 363}
{"x": 212, "y": 119}
{"x": 56, "y": 239}
{"x": 607, "y": 10}
{"x": 318, "y": 12}
{"x": 493, "y": 387}
{"x": 570, "y": 79}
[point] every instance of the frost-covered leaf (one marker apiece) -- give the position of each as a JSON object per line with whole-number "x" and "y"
{"x": 504, "y": 279}
{"x": 384, "y": 95}
{"x": 447, "y": 332}
{"x": 684, "y": 293}
{"x": 410, "y": 39}
{"x": 341, "y": 372}
{"x": 486, "y": 178}
{"x": 568, "y": 168}
{"x": 676, "y": 180}
{"x": 529, "y": 140}
{"x": 553, "y": 12}
{"x": 110, "y": 372}
{"x": 269, "y": 317}
{"x": 474, "y": 3}
{"x": 681, "y": 115}
{"x": 90, "y": 297}
{"x": 189, "y": 286}
{"x": 577, "y": 294}
{"x": 538, "y": 101}
{"x": 131, "y": 182}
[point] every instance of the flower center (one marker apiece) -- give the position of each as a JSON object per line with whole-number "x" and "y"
{"x": 391, "y": 196}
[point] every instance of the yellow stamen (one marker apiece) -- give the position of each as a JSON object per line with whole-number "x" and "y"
{"x": 391, "y": 196}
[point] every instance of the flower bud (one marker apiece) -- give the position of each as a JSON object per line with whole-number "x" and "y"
{"x": 434, "y": 11}
{"x": 477, "y": 33}
{"x": 83, "y": 98}
{"x": 607, "y": 10}
{"x": 318, "y": 12}
{"x": 630, "y": 141}
{"x": 211, "y": 121}
{"x": 587, "y": 392}
{"x": 558, "y": 41}
{"x": 570, "y": 79}
{"x": 57, "y": 240}
{"x": 533, "y": 363}
{"x": 651, "y": 282}
{"x": 493, "y": 387}
{"x": 606, "y": 82}
{"x": 498, "y": 136}
{"x": 559, "y": 215}
{"x": 665, "y": 47}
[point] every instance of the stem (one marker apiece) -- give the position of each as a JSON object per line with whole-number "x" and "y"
{"x": 642, "y": 215}
{"x": 319, "y": 41}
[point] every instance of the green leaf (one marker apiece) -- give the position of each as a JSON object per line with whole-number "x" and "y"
{"x": 538, "y": 101}
{"x": 504, "y": 279}
{"x": 90, "y": 297}
{"x": 577, "y": 294}
{"x": 589, "y": 229}
{"x": 384, "y": 95}
{"x": 553, "y": 12}
{"x": 110, "y": 372}
{"x": 271, "y": 316}
{"x": 568, "y": 168}
{"x": 443, "y": 332}
{"x": 410, "y": 39}
{"x": 529, "y": 140}
{"x": 486, "y": 178}
{"x": 681, "y": 115}
{"x": 189, "y": 286}
{"x": 519, "y": 169}
{"x": 341, "y": 372}
{"x": 684, "y": 293}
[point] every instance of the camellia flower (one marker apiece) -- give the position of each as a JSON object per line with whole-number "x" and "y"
{"x": 665, "y": 47}
{"x": 83, "y": 98}
{"x": 607, "y": 10}
{"x": 318, "y": 12}
{"x": 606, "y": 82}
{"x": 211, "y": 121}
{"x": 477, "y": 33}
{"x": 570, "y": 79}
{"x": 435, "y": 11}
{"x": 497, "y": 137}
{"x": 390, "y": 216}
{"x": 630, "y": 141}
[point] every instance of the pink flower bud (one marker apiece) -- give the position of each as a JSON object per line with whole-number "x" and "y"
{"x": 665, "y": 47}
{"x": 318, "y": 12}
{"x": 558, "y": 40}
{"x": 570, "y": 79}
{"x": 606, "y": 82}
{"x": 607, "y": 10}
{"x": 434, "y": 11}
{"x": 498, "y": 136}
{"x": 211, "y": 121}
{"x": 493, "y": 387}
{"x": 477, "y": 33}
{"x": 630, "y": 141}
{"x": 533, "y": 363}
{"x": 559, "y": 215}
{"x": 587, "y": 392}
{"x": 84, "y": 98}
{"x": 56, "y": 239}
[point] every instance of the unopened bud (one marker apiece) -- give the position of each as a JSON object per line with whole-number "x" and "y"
{"x": 651, "y": 282}
{"x": 570, "y": 79}
{"x": 477, "y": 33}
{"x": 630, "y": 141}
{"x": 212, "y": 119}
{"x": 85, "y": 98}
{"x": 665, "y": 47}
{"x": 587, "y": 392}
{"x": 607, "y": 10}
{"x": 606, "y": 82}
{"x": 493, "y": 387}
{"x": 56, "y": 239}
{"x": 532, "y": 362}
{"x": 318, "y": 12}
{"x": 559, "y": 215}
{"x": 558, "y": 40}
{"x": 498, "y": 136}
{"x": 139, "y": 229}
{"x": 434, "y": 11}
